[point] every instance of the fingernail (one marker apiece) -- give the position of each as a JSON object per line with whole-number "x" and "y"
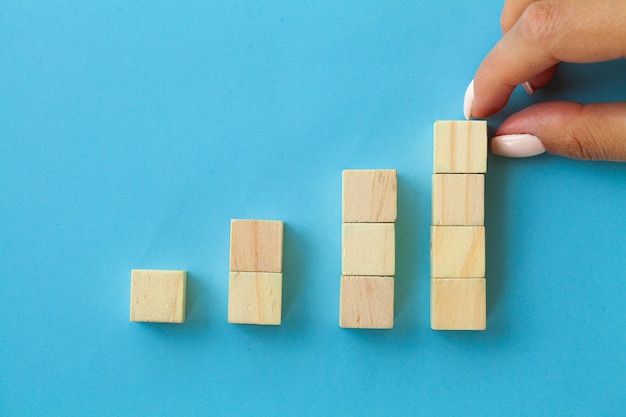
{"x": 529, "y": 88}
{"x": 517, "y": 146}
{"x": 468, "y": 100}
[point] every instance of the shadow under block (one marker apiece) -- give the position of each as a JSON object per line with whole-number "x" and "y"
{"x": 256, "y": 245}
{"x": 458, "y": 199}
{"x": 458, "y": 304}
{"x": 255, "y": 297}
{"x": 368, "y": 249}
{"x": 366, "y": 302}
{"x": 158, "y": 296}
{"x": 460, "y": 146}
{"x": 457, "y": 251}
{"x": 370, "y": 196}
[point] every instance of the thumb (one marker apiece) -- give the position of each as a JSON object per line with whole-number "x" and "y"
{"x": 590, "y": 132}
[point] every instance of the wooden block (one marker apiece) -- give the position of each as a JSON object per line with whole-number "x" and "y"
{"x": 458, "y": 304}
{"x": 457, "y": 251}
{"x": 158, "y": 296}
{"x": 458, "y": 199}
{"x": 256, "y": 246}
{"x": 369, "y": 249}
{"x": 460, "y": 147}
{"x": 255, "y": 297}
{"x": 366, "y": 302}
{"x": 370, "y": 196}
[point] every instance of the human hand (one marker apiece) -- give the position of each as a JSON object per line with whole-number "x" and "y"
{"x": 537, "y": 35}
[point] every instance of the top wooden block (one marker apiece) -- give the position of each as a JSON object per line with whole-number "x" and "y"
{"x": 370, "y": 196}
{"x": 256, "y": 246}
{"x": 460, "y": 147}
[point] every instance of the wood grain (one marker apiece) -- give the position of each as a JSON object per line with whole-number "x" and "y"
{"x": 158, "y": 296}
{"x": 460, "y": 146}
{"x": 256, "y": 245}
{"x": 370, "y": 196}
{"x": 366, "y": 302}
{"x": 458, "y": 304}
{"x": 255, "y": 298}
{"x": 458, "y": 199}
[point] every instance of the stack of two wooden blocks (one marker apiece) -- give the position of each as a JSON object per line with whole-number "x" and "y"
{"x": 458, "y": 284}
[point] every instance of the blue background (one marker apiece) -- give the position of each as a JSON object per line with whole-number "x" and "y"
{"x": 132, "y": 132}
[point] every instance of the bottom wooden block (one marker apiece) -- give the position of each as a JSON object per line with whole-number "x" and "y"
{"x": 458, "y": 304}
{"x": 366, "y": 302}
{"x": 158, "y": 296}
{"x": 255, "y": 297}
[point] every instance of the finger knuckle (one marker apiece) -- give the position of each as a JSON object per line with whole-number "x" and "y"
{"x": 540, "y": 22}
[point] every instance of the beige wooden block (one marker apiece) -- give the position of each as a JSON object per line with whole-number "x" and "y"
{"x": 255, "y": 297}
{"x": 458, "y": 304}
{"x": 458, "y": 199}
{"x": 370, "y": 196}
{"x": 460, "y": 146}
{"x": 256, "y": 245}
{"x": 158, "y": 296}
{"x": 369, "y": 249}
{"x": 366, "y": 302}
{"x": 457, "y": 251}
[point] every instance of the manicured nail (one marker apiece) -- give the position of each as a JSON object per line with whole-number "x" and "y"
{"x": 468, "y": 101}
{"x": 517, "y": 146}
{"x": 529, "y": 88}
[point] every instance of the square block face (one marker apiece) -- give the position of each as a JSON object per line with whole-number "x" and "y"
{"x": 366, "y": 302}
{"x": 370, "y": 196}
{"x": 460, "y": 147}
{"x": 369, "y": 249}
{"x": 256, "y": 246}
{"x": 158, "y": 296}
{"x": 255, "y": 297}
{"x": 458, "y": 304}
{"x": 457, "y": 251}
{"x": 458, "y": 199}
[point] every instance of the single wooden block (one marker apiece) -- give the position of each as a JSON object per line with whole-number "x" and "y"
{"x": 255, "y": 297}
{"x": 457, "y": 251}
{"x": 370, "y": 196}
{"x": 458, "y": 304}
{"x": 458, "y": 199}
{"x": 366, "y": 302}
{"x": 158, "y": 296}
{"x": 369, "y": 249}
{"x": 460, "y": 146}
{"x": 256, "y": 245}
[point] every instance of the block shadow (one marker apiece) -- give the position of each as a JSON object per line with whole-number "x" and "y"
{"x": 408, "y": 266}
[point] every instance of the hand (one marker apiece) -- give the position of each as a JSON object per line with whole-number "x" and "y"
{"x": 537, "y": 36}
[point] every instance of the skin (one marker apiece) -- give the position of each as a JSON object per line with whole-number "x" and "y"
{"x": 537, "y": 35}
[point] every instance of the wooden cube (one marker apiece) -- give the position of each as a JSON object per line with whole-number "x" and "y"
{"x": 366, "y": 302}
{"x": 458, "y": 199}
{"x": 460, "y": 146}
{"x": 256, "y": 246}
{"x": 457, "y": 251}
{"x": 255, "y": 297}
{"x": 158, "y": 296}
{"x": 369, "y": 249}
{"x": 370, "y": 196}
{"x": 458, "y": 304}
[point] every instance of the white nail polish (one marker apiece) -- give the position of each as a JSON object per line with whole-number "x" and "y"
{"x": 468, "y": 100}
{"x": 529, "y": 88}
{"x": 517, "y": 146}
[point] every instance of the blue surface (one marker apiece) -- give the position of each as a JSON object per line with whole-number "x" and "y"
{"x": 132, "y": 132}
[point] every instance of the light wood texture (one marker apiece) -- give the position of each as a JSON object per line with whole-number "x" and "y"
{"x": 457, "y": 251}
{"x": 369, "y": 249}
{"x": 460, "y": 146}
{"x": 158, "y": 296}
{"x": 370, "y": 196}
{"x": 366, "y": 302}
{"x": 255, "y": 297}
{"x": 256, "y": 245}
{"x": 458, "y": 304}
{"x": 458, "y": 199}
